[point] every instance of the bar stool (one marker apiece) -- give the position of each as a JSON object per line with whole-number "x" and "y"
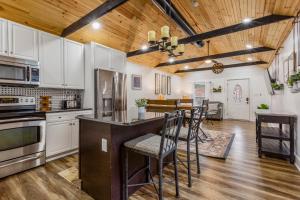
{"x": 189, "y": 135}
{"x": 157, "y": 147}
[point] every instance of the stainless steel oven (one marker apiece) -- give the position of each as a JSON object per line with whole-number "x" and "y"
{"x": 22, "y": 136}
{"x": 19, "y": 71}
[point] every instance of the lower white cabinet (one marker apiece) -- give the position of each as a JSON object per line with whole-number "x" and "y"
{"x": 59, "y": 138}
{"x": 62, "y": 133}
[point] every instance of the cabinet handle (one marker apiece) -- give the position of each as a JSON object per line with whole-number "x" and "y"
{"x": 71, "y": 124}
{"x": 5, "y": 51}
{"x": 11, "y": 52}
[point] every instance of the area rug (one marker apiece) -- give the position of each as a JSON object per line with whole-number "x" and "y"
{"x": 71, "y": 175}
{"x": 217, "y": 145}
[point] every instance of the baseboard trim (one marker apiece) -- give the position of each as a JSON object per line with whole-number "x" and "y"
{"x": 57, "y": 156}
{"x": 297, "y": 162}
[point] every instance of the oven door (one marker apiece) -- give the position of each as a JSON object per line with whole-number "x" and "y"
{"x": 14, "y": 73}
{"x": 21, "y": 138}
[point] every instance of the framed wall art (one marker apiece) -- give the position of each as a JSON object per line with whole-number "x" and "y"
{"x": 289, "y": 66}
{"x": 163, "y": 84}
{"x": 136, "y": 82}
{"x": 157, "y": 83}
{"x": 169, "y": 86}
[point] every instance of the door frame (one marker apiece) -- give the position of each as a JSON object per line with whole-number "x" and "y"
{"x": 250, "y": 98}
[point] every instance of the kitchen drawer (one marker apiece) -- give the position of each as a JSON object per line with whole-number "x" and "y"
{"x": 59, "y": 117}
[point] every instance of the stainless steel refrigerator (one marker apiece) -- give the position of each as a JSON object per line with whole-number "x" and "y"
{"x": 110, "y": 92}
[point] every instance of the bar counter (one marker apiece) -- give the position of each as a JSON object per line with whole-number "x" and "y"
{"x": 100, "y": 168}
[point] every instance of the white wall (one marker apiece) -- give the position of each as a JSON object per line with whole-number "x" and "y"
{"x": 255, "y": 74}
{"x": 148, "y": 84}
{"x": 287, "y": 102}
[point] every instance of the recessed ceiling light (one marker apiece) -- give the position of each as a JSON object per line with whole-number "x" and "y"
{"x": 186, "y": 67}
{"x": 96, "y": 25}
{"x": 208, "y": 61}
{"x": 247, "y": 20}
{"x": 171, "y": 60}
{"x": 144, "y": 47}
{"x": 249, "y": 46}
{"x": 195, "y": 3}
{"x": 250, "y": 59}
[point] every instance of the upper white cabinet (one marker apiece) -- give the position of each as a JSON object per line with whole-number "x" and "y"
{"x": 23, "y": 41}
{"x": 101, "y": 56}
{"x": 74, "y": 64}
{"x": 3, "y": 37}
{"x": 117, "y": 60}
{"x": 51, "y": 60}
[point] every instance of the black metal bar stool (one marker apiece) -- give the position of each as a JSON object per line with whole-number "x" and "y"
{"x": 190, "y": 135}
{"x": 158, "y": 147}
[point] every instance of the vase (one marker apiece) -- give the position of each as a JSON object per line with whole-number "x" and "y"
{"x": 141, "y": 112}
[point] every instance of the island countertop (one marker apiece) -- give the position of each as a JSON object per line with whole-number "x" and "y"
{"x": 101, "y": 138}
{"x": 125, "y": 118}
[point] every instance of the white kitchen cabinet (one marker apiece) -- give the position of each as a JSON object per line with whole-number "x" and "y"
{"x": 23, "y": 41}
{"x": 3, "y": 37}
{"x": 117, "y": 60}
{"x": 75, "y": 134}
{"x": 74, "y": 64}
{"x": 51, "y": 60}
{"x": 101, "y": 56}
{"x": 62, "y": 133}
{"x": 59, "y": 138}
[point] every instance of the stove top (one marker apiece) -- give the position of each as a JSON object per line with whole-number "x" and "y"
{"x": 18, "y": 107}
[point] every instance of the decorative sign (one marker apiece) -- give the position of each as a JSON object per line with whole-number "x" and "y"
{"x": 169, "y": 86}
{"x": 157, "y": 83}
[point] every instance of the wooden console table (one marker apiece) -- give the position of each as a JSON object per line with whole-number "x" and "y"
{"x": 275, "y": 140}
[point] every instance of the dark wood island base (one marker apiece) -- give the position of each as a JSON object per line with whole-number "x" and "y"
{"x": 101, "y": 171}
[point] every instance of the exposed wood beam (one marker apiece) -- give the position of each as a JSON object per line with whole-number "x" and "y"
{"x": 216, "y": 56}
{"x": 219, "y": 32}
{"x": 169, "y": 9}
{"x": 98, "y": 12}
{"x": 225, "y": 66}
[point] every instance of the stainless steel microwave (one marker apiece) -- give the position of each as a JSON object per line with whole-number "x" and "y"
{"x": 19, "y": 71}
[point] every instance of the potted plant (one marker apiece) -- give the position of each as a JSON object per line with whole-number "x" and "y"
{"x": 290, "y": 82}
{"x": 141, "y": 104}
{"x": 277, "y": 87}
{"x": 294, "y": 80}
{"x": 297, "y": 79}
{"x": 263, "y": 108}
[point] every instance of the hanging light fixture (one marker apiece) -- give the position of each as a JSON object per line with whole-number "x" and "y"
{"x": 218, "y": 67}
{"x": 167, "y": 43}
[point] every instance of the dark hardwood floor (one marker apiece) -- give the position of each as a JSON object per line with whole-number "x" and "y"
{"x": 241, "y": 176}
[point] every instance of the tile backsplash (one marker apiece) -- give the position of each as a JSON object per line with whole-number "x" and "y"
{"x": 57, "y": 94}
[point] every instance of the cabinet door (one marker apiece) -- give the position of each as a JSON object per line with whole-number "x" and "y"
{"x": 75, "y": 134}
{"x": 3, "y": 37}
{"x": 74, "y": 64}
{"x": 118, "y": 60}
{"x": 51, "y": 60}
{"x": 101, "y": 57}
{"x": 58, "y": 138}
{"x": 22, "y": 41}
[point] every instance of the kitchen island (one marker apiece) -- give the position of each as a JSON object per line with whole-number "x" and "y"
{"x": 100, "y": 150}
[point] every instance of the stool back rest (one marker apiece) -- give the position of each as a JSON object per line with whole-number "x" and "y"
{"x": 195, "y": 120}
{"x": 205, "y": 103}
{"x": 170, "y": 131}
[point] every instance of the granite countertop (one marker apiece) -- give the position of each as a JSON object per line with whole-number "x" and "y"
{"x": 125, "y": 118}
{"x": 67, "y": 110}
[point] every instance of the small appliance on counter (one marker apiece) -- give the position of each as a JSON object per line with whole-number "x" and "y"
{"x": 22, "y": 135}
{"x": 45, "y": 103}
{"x": 72, "y": 104}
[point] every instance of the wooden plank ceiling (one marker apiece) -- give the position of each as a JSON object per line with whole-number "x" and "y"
{"x": 126, "y": 27}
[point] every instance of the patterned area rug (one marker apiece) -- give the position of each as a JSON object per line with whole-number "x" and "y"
{"x": 71, "y": 175}
{"x": 217, "y": 145}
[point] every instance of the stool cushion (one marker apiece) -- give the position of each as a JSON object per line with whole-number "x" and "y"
{"x": 148, "y": 144}
{"x": 183, "y": 134}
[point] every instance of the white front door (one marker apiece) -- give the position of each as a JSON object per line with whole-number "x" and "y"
{"x": 238, "y": 99}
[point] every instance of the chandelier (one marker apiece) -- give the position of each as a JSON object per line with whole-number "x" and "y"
{"x": 167, "y": 43}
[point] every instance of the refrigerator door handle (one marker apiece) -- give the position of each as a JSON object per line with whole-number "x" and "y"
{"x": 113, "y": 94}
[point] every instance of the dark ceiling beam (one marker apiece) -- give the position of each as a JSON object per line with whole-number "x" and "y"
{"x": 216, "y": 56}
{"x": 219, "y": 32}
{"x": 169, "y": 9}
{"x": 225, "y": 66}
{"x": 98, "y": 12}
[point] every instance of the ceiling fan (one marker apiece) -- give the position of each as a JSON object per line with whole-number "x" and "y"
{"x": 217, "y": 67}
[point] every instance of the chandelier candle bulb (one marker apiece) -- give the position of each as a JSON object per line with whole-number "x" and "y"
{"x": 174, "y": 41}
{"x": 165, "y": 32}
{"x": 180, "y": 48}
{"x": 151, "y": 36}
